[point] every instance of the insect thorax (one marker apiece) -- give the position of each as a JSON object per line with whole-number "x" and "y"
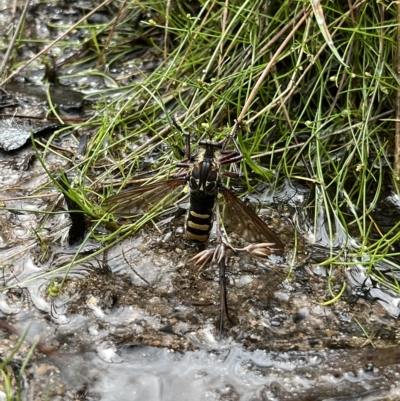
{"x": 204, "y": 176}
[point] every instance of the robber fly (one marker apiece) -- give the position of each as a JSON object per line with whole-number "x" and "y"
{"x": 204, "y": 177}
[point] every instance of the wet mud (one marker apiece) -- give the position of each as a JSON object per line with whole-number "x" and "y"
{"x": 144, "y": 313}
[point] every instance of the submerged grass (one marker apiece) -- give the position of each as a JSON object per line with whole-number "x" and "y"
{"x": 314, "y": 85}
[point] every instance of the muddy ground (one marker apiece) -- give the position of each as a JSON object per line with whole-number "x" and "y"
{"x": 145, "y": 295}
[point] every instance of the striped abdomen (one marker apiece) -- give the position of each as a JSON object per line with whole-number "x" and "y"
{"x": 200, "y": 216}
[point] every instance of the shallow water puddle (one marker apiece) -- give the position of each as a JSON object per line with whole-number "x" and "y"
{"x": 228, "y": 373}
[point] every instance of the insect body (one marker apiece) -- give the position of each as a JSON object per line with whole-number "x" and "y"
{"x": 205, "y": 183}
{"x": 204, "y": 180}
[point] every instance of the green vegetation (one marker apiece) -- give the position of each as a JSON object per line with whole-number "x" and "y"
{"x": 314, "y": 87}
{"x": 12, "y": 372}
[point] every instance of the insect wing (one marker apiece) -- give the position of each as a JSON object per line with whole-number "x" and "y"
{"x": 239, "y": 218}
{"x": 140, "y": 200}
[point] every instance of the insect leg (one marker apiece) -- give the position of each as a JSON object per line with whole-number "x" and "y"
{"x": 235, "y": 144}
{"x": 223, "y": 300}
{"x": 187, "y": 163}
{"x": 230, "y": 156}
{"x": 230, "y": 174}
{"x": 230, "y": 160}
{"x": 220, "y": 256}
{"x": 187, "y": 146}
{"x": 184, "y": 164}
{"x": 181, "y": 175}
{"x": 231, "y": 137}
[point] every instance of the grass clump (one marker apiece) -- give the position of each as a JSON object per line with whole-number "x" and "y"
{"x": 313, "y": 86}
